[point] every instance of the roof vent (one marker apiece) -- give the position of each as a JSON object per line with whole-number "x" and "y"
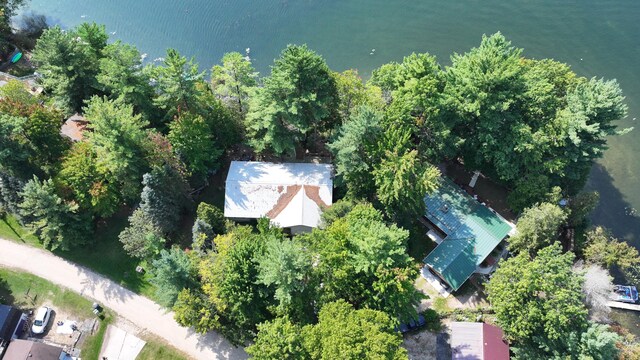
{"x": 444, "y": 208}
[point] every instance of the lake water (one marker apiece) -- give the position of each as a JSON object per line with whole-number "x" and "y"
{"x": 597, "y": 38}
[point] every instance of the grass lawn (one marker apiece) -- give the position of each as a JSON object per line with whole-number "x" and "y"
{"x": 157, "y": 349}
{"x": 103, "y": 255}
{"x": 27, "y": 291}
{"x": 92, "y": 345}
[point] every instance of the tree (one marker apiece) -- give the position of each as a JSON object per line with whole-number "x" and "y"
{"x": 8, "y": 9}
{"x": 10, "y": 198}
{"x": 230, "y": 281}
{"x": 362, "y": 260}
{"x": 402, "y": 178}
{"x": 354, "y": 150}
{"x": 538, "y": 302}
{"x": 592, "y": 108}
{"x": 193, "y": 309}
{"x": 192, "y": 139}
{"x": 118, "y": 138}
{"x": 598, "y": 343}
{"x": 345, "y": 333}
{"x": 90, "y": 186}
{"x": 29, "y": 133}
{"x": 176, "y": 84}
{"x": 605, "y": 250}
{"x": 278, "y": 339}
{"x": 14, "y": 92}
{"x": 163, "y": 197}
{"x": 298, "y": 99}
{"x": 122, "y": 76}
{"x": 14, "y": 148}
{"x": 69, "y": 64}
{"x": 141, "y": 238}
{"x": 232, "y": 80}
{"x": 414, "y": 88}
{"x": 354, "y": 94}
{"x": 538, "y": 227}
{"x": 213, "y": 216}
{"x": 286, "y": 265}
{"x": 172, "y": 272}
{"x": 56, "y": 222}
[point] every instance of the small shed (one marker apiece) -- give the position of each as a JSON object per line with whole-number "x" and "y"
{"x": 292, "y": 195}
{"x": 477, "y": 341}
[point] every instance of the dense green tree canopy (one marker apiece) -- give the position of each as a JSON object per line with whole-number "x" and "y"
{"x": 278, "y": 339}
{"x": 118, "y": 138}
{"x": 69, "y": 63}
{"x": 538, "y": 302}
{"x": 193, "y": 140}
{"x": 286, "y": 266}
{"x": 172, "y": 271}
{"x": 299, "y": 99}
{"x": 232, "y": 80}
{"x": 163, "y": 198}
{"x": 177, "y": 84}
{"x": 141, "y": 238}
{"x": 88, "y": 182}
{"x": 355, "y": 151}
{"x": 122, "y": 76}
{"x": 345, "y": 333}
{"x": 56, "y": 222}
{"x": 538, "y": 227}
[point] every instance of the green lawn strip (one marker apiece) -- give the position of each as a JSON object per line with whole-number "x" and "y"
{"x": 27, "y": 291}
{"x": 103, "y": 255}
{"x": 10, "y": 229}
{"x": 157, "y": 348}
{"x": 92, "y": 344}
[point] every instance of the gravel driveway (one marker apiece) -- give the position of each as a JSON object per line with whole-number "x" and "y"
{"x": 139, "y": 310}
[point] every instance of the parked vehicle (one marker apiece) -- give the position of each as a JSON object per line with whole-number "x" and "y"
{"x": 625, "y": 293}
{"x": 413, "y": 324}
{"x": 41, "y": 320}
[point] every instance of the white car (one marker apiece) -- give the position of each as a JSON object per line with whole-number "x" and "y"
{"x": 41, "y": 320}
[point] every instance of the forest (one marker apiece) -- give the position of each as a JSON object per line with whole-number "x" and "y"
{"x": 158, "y": 132}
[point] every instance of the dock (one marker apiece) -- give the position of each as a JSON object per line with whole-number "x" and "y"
{"x": 624, "y": 306}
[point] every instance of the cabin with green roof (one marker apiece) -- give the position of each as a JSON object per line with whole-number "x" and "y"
{"x": 467, "y": 233}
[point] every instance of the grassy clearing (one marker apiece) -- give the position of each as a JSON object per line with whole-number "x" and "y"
{"x": 157, "y": 349}
{"x": 103, "y": 255}
{"x": 92, "y": 345}
{"x": 440, "y": 305}
{"x": 27, "y": 291}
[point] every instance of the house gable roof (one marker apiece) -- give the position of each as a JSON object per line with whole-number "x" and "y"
{"x": 25, "y": 349}
{"x": 477, "y": 341}
{"x": 290, "y": 194}
{"x": 472, "y": 232}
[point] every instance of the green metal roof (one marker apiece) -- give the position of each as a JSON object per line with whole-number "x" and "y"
{"x": 472, "y": 230}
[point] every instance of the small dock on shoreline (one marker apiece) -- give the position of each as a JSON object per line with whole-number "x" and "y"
{"x": 624, "y": 306}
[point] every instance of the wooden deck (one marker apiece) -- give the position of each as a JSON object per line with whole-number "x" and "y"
{"x": 625, "y": 306}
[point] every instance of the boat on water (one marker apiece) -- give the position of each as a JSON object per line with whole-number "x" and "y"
{"x": 625, "y": 293}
